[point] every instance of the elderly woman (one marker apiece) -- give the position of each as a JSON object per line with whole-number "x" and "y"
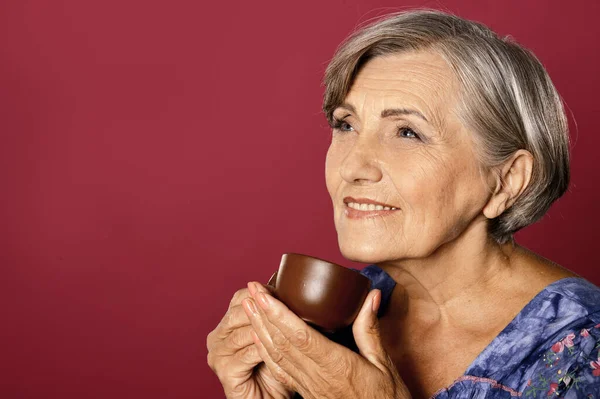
{"x": 446, "y": 141}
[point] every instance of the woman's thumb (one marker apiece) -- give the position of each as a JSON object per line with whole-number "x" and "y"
{"x": 367, "y": 334}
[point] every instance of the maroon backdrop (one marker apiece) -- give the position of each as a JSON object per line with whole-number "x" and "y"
{"x": 155, "y": 156}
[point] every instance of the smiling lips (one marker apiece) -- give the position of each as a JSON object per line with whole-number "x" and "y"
{"x": 364, "y": 207}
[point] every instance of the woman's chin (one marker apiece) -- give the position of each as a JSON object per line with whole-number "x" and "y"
{"x": 364, "y": 253}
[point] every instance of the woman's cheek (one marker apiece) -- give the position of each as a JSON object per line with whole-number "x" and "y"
{"x": 329, "y": 169}
{"x": 333, "y": 163}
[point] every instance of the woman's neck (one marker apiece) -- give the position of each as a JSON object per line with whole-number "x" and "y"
{"x": 469, "y": 265}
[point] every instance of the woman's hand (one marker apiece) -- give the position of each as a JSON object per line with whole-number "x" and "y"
{"x": 305, "y": 361}
{"x": 234, "y": 357}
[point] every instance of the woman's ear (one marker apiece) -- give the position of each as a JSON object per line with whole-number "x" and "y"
{"x": 512, "y": 178}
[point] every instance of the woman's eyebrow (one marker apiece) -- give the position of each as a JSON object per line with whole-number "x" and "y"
{"x": 386, "y": 113}
{"x": 348, "y": 107}
{"x": 402, "y": 111}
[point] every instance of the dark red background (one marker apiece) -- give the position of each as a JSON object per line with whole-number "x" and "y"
{"x": 155, "y": 156}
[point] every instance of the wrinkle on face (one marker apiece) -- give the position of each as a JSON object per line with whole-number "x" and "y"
{"x": 434, "y": 182}
{"x": 426, "y": 83}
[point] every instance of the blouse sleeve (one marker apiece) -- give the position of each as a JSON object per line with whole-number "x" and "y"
{"x": 569, "y": 369}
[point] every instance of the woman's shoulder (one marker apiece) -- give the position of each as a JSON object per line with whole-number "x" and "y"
{"x": 544, "y": 281}
{"x": 564, "y": 306}
{"x": 551, "y": 348}
{"x": 575, "y": 295}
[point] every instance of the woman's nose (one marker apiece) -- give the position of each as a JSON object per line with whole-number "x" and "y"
{"x": 361, "y": 164}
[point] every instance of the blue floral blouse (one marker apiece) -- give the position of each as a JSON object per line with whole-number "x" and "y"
{"x": 551, "y": 349}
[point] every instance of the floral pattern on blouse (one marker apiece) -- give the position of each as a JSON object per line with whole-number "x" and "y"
{"x": 570, "y": 368}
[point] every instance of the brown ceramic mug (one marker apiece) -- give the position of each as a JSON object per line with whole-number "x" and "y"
{"x": 324, "y": 294}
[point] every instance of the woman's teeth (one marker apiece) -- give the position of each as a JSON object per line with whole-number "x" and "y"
{"x": 370, "y": 207}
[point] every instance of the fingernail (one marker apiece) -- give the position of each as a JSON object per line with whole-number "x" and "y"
{"x": 263, "y": 301}
{"x": 376, "y": 301}
{"x": 249, "y": 304}
{"x": 252, "y": 288}
{"x": 258, "y": 287}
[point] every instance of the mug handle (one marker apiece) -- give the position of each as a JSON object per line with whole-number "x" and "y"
{"x": 272, "y": 280}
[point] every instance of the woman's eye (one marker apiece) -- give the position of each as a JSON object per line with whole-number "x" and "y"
{"x": 408, "y": 133}
{"x": 345, "y": 126}
{"x": 342, "y": 126}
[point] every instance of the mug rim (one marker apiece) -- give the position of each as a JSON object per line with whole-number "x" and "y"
{"x": 335, "y": 265}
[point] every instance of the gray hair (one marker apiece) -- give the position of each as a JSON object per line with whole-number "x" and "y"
{"x": 508, "y": 99}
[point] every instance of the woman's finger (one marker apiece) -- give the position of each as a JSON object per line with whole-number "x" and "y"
{"x": 280, "y": 353}
{"x": 275, "y": 368}
{"x": 249, "y": 355}
{"x": 238, "y": 297}
{"x": 286, "y": 328}
{"x": 239, "y": 339}
{"x": 299, "y": 350}
{"x": 244, "y": 293}
{"x": 234, "y": 318}
{"x": 367, "y": 334}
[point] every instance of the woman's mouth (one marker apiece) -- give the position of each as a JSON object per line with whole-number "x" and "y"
{"x": 365, "y": 208}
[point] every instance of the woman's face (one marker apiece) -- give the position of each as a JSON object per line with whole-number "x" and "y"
{"x": 398, "y": 143}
